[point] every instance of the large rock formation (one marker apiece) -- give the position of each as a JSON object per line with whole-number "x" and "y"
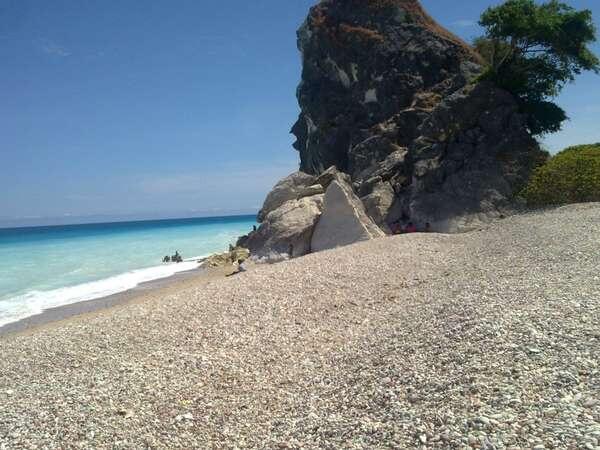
{"x": 390, "y": 98}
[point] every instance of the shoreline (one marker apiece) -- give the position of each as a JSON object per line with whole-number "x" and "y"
{"x": 357, "y": 347}
{"x": 144, "y": 291}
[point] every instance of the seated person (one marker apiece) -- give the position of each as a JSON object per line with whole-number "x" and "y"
{"x": 410, "y": 228}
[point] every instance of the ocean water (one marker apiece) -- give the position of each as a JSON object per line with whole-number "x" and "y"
{"x": 46, "y": 267}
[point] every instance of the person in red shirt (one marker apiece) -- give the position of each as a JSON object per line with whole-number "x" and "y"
{"x": 410, "y": 228}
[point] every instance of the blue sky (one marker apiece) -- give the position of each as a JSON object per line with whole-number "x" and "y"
{"x": 179, "y": 108}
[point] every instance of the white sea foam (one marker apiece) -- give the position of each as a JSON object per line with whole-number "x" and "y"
{"x": 35, "y": 302}
{"x": 197, "y": 258}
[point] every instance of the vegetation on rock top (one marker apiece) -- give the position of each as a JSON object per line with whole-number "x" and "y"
{"x": 532, "y": 50}
{"x": 342, "y": 33}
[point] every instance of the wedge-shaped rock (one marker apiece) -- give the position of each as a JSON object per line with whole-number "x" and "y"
{"x": 343, "y": 221}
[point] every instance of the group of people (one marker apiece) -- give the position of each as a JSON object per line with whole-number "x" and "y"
{"x": 410, "y": 227}
{"x": 176, "y": 258}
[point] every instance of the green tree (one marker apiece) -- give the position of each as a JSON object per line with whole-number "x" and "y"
{"x": 533, "y": 50}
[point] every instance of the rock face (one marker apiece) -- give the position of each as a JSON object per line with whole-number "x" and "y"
{"x": 392, "y": 113}
{"x": 364, "y": 62}
{"x": 344, "y": 220}
{"x": 473, "y": 154}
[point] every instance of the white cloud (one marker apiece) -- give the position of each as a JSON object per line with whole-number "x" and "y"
{"x": 224, "y": 180}
{"x": 82, "y": 197}
{"x": 464, "y": 23}
{"x": 53, "y": 49}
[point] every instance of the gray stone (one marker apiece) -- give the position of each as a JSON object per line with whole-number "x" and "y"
{"x": 365, "y": 158}
{"x": 287, "y": 229}
{"x": 379, "y": 203}
{"x": 309, "y": 191}
{"x": 344, "y": 220}
{"x": 285, "y": 190}
{"x": 227, "y": 259}
{"x": 329, "y": 175}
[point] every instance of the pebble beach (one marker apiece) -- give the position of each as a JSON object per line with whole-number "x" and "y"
{"x": 483, "y": 340}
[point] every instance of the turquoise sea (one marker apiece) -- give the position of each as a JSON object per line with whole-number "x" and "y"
{"x": 45, "y": 267}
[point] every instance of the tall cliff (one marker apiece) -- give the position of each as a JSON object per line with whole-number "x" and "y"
{"x": 390, "y": 98}
{"x": 365, "y": 61}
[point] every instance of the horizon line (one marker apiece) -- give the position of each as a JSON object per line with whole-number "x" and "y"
{"x": 4, "y": 223}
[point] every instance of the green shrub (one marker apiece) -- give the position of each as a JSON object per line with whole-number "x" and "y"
{"x": 572, "y": 176}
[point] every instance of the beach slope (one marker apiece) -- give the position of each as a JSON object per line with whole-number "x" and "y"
{"x": 488, "y": 339}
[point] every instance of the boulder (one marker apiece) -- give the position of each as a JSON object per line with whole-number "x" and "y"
{"x": 366, "y": 157}
{"x": 288, "y": 229}
{"x": 239, "y": 254}
{"x": 291, "y": 187}
{"x": 228, "y": 258}
{"x": 309, "y": 191}
{"x": 328, "y": 176}
{"x": 379, "y": 202}
{"x": 343, "y": 221}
